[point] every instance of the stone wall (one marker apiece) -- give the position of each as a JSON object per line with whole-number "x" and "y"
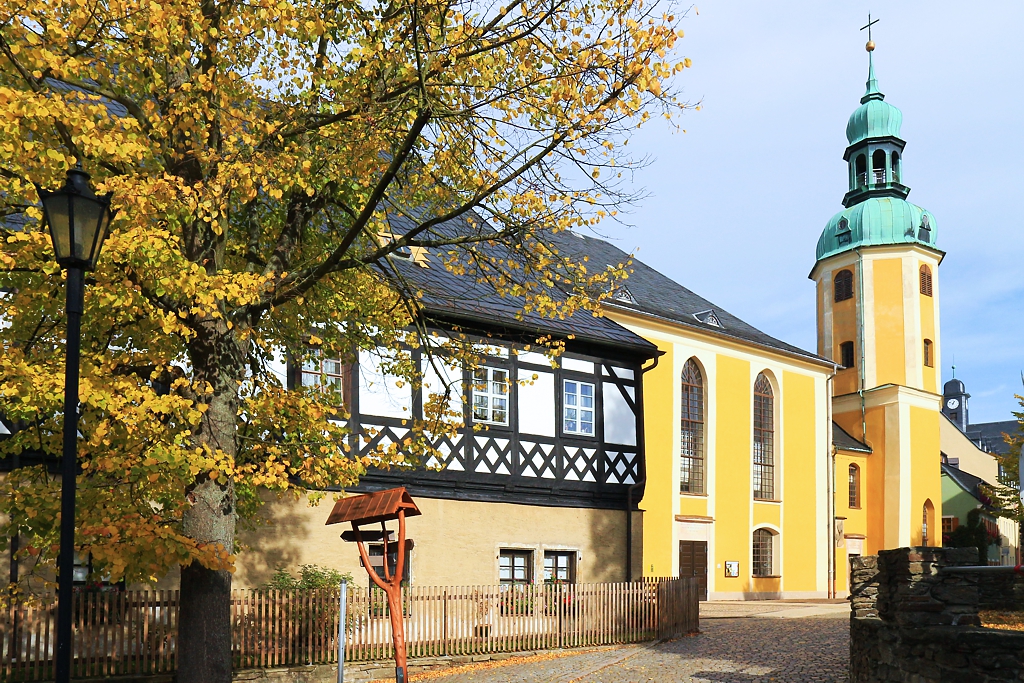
{"x": 912, "y": 623}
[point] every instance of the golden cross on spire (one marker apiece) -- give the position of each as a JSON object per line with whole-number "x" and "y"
{"x": 871, "y": 44}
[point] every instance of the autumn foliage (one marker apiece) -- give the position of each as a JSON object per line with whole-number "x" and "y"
{"x": 258, "y": 154}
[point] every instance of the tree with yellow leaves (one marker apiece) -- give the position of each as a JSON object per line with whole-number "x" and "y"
{"x": 257, "y": 153}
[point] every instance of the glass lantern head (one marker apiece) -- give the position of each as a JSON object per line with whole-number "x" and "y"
{"x": 78, "y": 221}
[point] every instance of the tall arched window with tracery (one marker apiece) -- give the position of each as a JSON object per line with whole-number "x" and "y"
{"x": 854, "y": 487}
{"x": 764, "y": 439}
{"x": 691, "y": 430}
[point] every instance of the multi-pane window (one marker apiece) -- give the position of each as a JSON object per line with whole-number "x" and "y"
{"x": 560, "y": 566}
{"x": 926, "y": 280}
{"x": 578, "y": 408}
{"x": 854, "y": 486}
{"x": 691, "y": 430}
{"x": 490, "y": 395}
{"x": 764, "y": 439}
{"x": 515, "y": 566}
{"x": 329, "y": 373}
{"x": 928, "y": 360}
{"x": 763, "y": 542}
{"x": 843, "y": 285}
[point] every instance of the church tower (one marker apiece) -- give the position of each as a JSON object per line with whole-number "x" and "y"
{"x": 877, "y": 278}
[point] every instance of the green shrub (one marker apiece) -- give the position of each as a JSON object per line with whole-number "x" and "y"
{"x": 310, "y": 576}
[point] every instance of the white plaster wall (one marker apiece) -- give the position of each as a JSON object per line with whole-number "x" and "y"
{"x": 619, "y": 420}
{"x": 537, "y": 404}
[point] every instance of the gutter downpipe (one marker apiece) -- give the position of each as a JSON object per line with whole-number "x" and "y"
{"x": 830, "y": 474}
{"x": 861, "y": 371}
{"x": 642, "y": 480}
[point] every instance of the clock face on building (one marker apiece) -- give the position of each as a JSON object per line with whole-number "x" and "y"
{"x": 953, "y": 403}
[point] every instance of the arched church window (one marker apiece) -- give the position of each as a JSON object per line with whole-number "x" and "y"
{"x": 926, "y": 280}
{"x": 691, "y": 430}
{"x": 929, "y": 361}
{"x": 878, "y": 167}
{"x": 927, "y": 522}
{"x": 895, "y": 167}
{"x": 846, "y": 354}
{"x": 843, "y": 285}
{"x": 861, "y": 168}
{"x": 764, "y": 439}
{"x": 763, "y": 551}
{"x": 854, "y": 487}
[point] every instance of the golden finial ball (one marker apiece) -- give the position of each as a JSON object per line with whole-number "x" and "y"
{"x": 870, "y": 47}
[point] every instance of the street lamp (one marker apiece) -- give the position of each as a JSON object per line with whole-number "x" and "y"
{"x": 78, "y": 221}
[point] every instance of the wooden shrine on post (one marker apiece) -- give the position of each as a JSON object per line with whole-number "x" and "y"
{"x": 372, "y": 508}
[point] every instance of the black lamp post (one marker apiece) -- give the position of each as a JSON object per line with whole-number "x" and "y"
{"x": 78, "y": 221}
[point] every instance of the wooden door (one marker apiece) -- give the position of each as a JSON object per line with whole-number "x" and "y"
{"x": 693, "y": 561}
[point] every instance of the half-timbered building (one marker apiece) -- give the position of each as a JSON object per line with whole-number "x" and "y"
{"x": 543, "y": 480}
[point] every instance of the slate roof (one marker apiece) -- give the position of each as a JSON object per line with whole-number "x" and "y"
{"x": 990, "y": 434}
{"x": 842, "y": 440}
{"x": 456, "y": 297}
{"x": 968, "y": 482}
{"x": 648, "y": 291}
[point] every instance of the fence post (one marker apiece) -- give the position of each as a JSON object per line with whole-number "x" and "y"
{"x": 342, "y": 604}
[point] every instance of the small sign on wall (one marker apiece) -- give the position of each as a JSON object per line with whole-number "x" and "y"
{"x": 732, "y": 569}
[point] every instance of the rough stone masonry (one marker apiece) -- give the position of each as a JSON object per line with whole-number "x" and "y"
{"x": 913, "y": 623}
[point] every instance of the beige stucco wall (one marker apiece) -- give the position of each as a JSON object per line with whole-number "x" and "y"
{"x": 456, "y": 542}
{"x": 972, "y": 459}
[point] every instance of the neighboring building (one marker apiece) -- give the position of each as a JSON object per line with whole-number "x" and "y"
{"x": 545, "y": 489}
{"x": 969, "y": 466}
{"x": 963, "y": 492}
{"x": 877, "y": 279}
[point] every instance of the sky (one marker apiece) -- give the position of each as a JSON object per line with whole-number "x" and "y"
{"x": 735, "y": 204}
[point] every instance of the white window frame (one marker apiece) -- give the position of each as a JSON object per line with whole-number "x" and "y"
{"x": 314, "y": 368}
{"x": 493, "y": 398}
{"x": 576, "y": 406}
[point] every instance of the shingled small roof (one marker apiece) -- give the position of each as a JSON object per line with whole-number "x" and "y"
{"x": 373, "y": 507}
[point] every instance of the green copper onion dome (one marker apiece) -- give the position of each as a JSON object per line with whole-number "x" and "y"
{"x": 874, "y": 118}
{"x": 877, "y": 221}
{"x": 877, "y": 212}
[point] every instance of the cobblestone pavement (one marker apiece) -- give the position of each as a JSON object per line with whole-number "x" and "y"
{"x": 812, "y": 650}
{"x": 772, "y": 608}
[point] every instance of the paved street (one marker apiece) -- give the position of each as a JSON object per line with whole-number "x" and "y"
{"x": 797, "y": 649}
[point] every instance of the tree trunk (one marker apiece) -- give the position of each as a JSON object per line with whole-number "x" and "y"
{"x": 204, "y": 608}
{"x": 204, "y": 625}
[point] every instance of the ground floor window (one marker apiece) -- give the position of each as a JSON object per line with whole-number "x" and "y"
{"x": 764, "y": 542}
{"x": 515, "y": 566}
{"x": 560, "y": 566}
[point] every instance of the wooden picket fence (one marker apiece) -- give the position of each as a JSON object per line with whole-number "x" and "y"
{"x": 135, "y": 632}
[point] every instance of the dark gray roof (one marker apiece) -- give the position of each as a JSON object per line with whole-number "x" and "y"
{"x": 456, "y": 297}
{"x": 989, "y": 435}
{"x": 842, "y": 440}
{"x": 968, "y": 482}
{"x": 650, "y": 292}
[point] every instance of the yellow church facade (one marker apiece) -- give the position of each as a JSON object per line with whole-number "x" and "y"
{"x": 736, "y": 436}
{"x": 768, "y": 466}
{"x": 758, "y": 502}
{"x": 877, "y": 290}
